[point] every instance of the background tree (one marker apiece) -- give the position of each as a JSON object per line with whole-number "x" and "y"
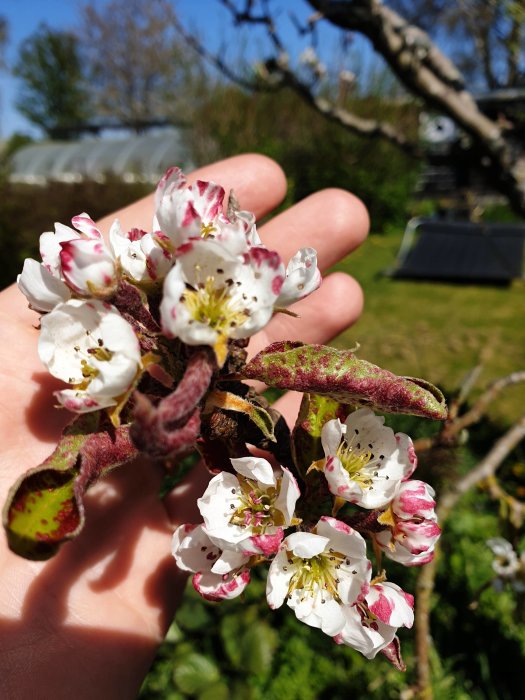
{"x": 52, "y": 95}
{"x": 484, "y": 37}
{"x": 494, "y": 28}
{"x": 3, "y": 40}
{"x": 135, "y": 61}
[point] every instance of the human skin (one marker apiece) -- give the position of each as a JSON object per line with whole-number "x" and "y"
{"x": 86, "y": 624}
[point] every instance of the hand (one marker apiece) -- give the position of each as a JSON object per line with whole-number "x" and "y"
{"x": 87, "y": 623}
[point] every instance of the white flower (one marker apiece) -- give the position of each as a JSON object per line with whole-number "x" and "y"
{"x": 249, "y": 511}
{"x": 506, "y": 563}
{"x": 51, "y": 243}
{"x": 219, "y": 575}
{"x": 89, "y": 345}
{"x": 302, "y": 277}
{"x": 185, "y": 212}
{"x": 42, "y": 289}
{"x": 88, "y": 267}
{"x": 142, "y": 256}
{"x": 365, "y": 461}
{"x": 412, "y": 530}
{"x": 211, "y": 295}
{"x": 319, "y": 573}
{"x": 79, "y": 257}
{"x": 371, "y": 625}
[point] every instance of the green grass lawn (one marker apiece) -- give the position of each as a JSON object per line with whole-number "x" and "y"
{"x": 437, "y": 331}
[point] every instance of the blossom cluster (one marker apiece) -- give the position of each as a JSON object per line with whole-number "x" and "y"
{"x": 211, "y": 276}
{"x": 148, "y": 331}
{"x": 320, "y": 569}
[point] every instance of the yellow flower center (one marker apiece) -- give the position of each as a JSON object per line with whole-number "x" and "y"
{"x": 213, "y": 306}
{"x": 355, "y": 462}
{"x": 207, "y": 230}
{"x": 319, "y": 573}
{"x": 89, "y": 372}
{"x": 256, "y": 509}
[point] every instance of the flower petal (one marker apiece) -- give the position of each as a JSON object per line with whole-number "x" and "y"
{"x": 302, "y": 277}
{"x": 88, "y": 267}
{"x": 42, "y": 289}
{"x": 255, "y": 468}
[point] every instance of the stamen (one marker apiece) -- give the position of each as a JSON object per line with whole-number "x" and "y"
{"x": 207, "y": 230}
{"x": 213, "y": 306}
{"x": 355, "y": 463}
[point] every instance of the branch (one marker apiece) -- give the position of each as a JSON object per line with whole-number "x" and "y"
{"x": 285, "y": 77}
{"x": 484, "y": 470}
{"x": 516, "y": 507}
{"x": 214, "y": 59}
{"x": 480, "y": 31}
{"x": 515, "y": 44}
{"x": 453, "y": 428}
{"x": 427, "y": 72}
{"x": 348, "y": 120}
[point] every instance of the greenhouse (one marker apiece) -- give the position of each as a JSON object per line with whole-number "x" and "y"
{"x": 142, "y": 157}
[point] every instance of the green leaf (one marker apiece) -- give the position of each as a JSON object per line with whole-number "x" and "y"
{"x": 340, "y": 375}
{"x": 193, "y": 615}
{"x": 229, "y": 630}
{"x": 248, "y": 641}
{"x": 194, "y": 673}
{"x": 45, "y": 506}
{"x": 315, "y": 411}
{"x": 218, "y": 691}
{"x": 259, "y": 643}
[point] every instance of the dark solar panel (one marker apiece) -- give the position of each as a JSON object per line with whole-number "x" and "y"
{"x": 465, "y": 251}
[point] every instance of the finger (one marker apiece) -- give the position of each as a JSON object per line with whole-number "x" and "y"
{"x": 333, "y": 221}
{"x": 258, "y": 182}
{"x": 110, "y": 595}
{"x": 335, "y": 306}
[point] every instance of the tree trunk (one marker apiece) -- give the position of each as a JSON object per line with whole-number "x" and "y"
{"x": 428, "y": 73}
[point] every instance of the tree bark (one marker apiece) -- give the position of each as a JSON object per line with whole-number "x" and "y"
{"x": 428, "y": 73}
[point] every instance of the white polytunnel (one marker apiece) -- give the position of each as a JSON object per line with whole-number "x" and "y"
{"x": 143, "y": 157}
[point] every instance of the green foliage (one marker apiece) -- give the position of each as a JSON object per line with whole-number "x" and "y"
{"x": 194, "y": 673}
{"x": 53, "y": 96}
{"x": 313, "y": 152}
{"x": 12, "y": 145}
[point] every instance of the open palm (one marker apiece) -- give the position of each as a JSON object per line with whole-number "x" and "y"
{"x": 86, "y": 623}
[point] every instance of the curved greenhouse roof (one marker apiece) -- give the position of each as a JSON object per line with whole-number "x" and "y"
{"x": 144, "y": 157}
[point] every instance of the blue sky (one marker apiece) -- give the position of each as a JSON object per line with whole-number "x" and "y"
{"x": 24, "y": 16}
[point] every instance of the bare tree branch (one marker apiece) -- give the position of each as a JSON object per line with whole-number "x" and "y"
{"x": 484, "y": 470}
{"x": 418, "y": 63}
{"x": 453, "y": 427}
{"x": 514, "y": 42}
{"x": 426, "y": 71}
{"x": 350, "y": 121}
{"x": 214, "y": 59}
{"x": 279, "y": 75}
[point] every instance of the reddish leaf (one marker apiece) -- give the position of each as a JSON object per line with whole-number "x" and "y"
{"x": 45, "y": 506}
{"x": 342, "y": 376}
